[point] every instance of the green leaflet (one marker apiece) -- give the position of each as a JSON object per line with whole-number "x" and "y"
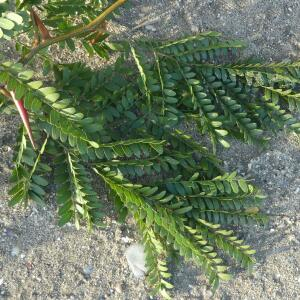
{"x": 11, "y": 23}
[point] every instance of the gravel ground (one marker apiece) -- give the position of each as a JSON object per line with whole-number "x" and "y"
{"x": 38, "y": 260}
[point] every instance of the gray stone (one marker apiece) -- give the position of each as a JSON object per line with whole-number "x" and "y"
{"x": 15, "y": 251}
{"x": 150, "y": 27}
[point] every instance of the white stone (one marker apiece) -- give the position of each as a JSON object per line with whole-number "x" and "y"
{"x": 136, "y": 259}
{"x": 194, "y": 28}
{"x": 118, "y": 288}
{"x": 150, "y": 28}
{"x": 146, "y": 9}
{"x": 15, "y": 251}
{"x": 126, "y": 239}
{"x": 88, "y": 270}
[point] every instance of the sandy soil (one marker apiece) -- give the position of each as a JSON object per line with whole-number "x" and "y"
{"x": 39, "y": 260}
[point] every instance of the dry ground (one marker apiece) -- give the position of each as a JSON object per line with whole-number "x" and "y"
{"x": 38, "y": 260}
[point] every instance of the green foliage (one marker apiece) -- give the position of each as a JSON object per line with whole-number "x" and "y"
{"x": 75, "y": 195}
{"x": 137, "y": 126}
{"x": 167, "y": 224}
{"x": 11, "y": 22}
{"x": 28, "y": 175}
{"x": 60, "y": 16}
{"x": 239, "y": 100}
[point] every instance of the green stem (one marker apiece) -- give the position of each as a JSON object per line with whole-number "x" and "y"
{"x": 38, "y": 158}
{"x": 76, "y": 32}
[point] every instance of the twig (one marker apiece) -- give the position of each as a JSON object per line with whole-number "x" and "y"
{"x": 76, "y": 32}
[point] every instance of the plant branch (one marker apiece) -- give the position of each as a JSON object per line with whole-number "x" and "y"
{"x": 76, "y": 32}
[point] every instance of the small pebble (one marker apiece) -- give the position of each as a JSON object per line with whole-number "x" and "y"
{"x": 276, "y": 277}
{"x": 146, "y": 9}
{"x": 292, "y": 238}
{"x": 150, "y": 28}
{"x": 15, "y": 251}
{"x": 194, "y": 28}
{"x": 207, "y": 294}
{"x": 88, "y": 270}
{"x": 118, "y": 288}
{"x": 126, "y": 239}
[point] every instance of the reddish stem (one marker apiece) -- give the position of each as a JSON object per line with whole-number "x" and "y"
{"x": 22, "y": 111}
